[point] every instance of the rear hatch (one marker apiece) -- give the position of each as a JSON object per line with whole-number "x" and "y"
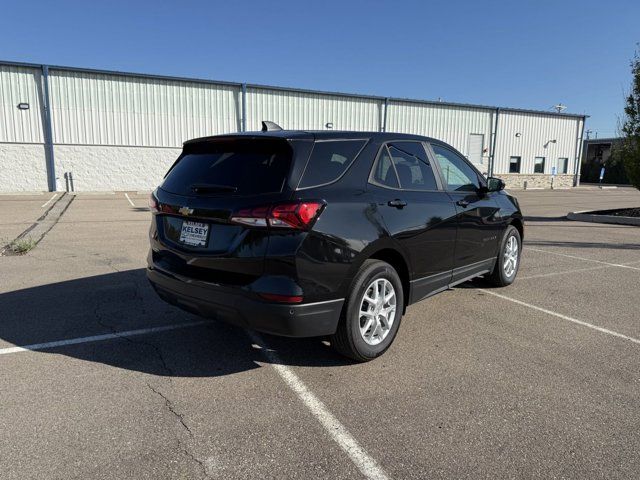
{"x": 210, "y": 181}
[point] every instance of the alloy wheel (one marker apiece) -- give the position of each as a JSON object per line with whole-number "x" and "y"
{"x": 510, "y": 259}
{"x": 377, "y": 311}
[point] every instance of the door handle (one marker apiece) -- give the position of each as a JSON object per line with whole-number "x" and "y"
{"x": 397, "y": 203}
{"x": 462, "y": 203}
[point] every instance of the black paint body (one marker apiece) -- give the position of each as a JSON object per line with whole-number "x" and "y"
{"x": 439, "y": 238}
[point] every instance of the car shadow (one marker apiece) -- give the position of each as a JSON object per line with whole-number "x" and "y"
{"x": 123, "y": 302}
{"x": 569, "y": 244}
{"x": 563, "y": 218}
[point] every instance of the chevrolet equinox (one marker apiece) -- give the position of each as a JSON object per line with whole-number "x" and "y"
{"x": 326, "y": 233}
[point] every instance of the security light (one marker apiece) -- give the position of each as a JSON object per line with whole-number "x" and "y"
{"x": 23, "y": 106}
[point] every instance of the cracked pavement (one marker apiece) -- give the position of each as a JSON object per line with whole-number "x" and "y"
{"x": 475, "y": 386}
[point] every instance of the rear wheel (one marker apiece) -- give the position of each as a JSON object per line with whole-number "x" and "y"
{"x": 508, "y": 261}
{"x": 371, "y": 317}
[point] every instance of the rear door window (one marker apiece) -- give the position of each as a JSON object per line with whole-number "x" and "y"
{"x": 234, "y": 167}
{"x": 412, "y": 166}
{"x": 329, "y": 160}
{"x": 384, "y": 172}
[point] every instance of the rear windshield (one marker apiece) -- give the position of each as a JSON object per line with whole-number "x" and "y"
{"x": 329, "y": 160}
{"x": 231, "y": 167}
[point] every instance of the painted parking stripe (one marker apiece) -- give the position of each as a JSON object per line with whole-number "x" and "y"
{"x": 365, "y": 463}
{"x": 49, "y": 201}
{"x": 622, "y": 265}
{"x": 127, "y": 195}
{"x": 96, "y": 338}
{"x": 563, "y": 317}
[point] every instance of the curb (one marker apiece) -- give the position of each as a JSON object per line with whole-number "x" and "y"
{"x": 587, "y": 216}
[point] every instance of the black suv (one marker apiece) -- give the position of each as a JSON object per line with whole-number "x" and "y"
{"x": 326, "y": 233}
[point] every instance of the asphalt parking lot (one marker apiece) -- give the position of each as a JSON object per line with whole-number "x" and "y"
{"x": 537, "y": 380}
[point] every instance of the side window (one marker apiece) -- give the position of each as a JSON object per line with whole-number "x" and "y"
{"x": 458, "y": 175}
{"x": 514, "y": 165}
{"x": 563, "y": 164}
{"x": 412, "y": 166}
{"x": 329, "y": 160}
{"x": 383, "y": 171}
{"x": 538, "y": 165}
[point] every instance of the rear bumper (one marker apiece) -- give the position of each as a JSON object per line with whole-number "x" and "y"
{"x": 236, "y": 306}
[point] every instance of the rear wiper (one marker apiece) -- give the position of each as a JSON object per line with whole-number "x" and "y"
{"x": 212, "y": 188}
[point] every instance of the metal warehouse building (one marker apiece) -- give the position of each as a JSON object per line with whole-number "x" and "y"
{"x": 121, "y": 131}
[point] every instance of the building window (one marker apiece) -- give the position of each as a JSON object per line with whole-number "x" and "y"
{"x": 563, "y": 165}
{"x": 514, "y": 165}
{"x": 538, "y": 165}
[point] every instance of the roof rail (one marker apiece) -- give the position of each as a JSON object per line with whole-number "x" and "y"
{"x": 268, "y": 126}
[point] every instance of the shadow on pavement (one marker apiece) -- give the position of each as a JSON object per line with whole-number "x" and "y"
{"x": 603, "y": 245}
{"x": 546, "y": 219}
{"x": 124, "y": 301}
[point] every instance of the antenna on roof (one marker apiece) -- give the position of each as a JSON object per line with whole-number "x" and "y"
{"x": 559, "y": 107}
{"x": 268, "y": 126}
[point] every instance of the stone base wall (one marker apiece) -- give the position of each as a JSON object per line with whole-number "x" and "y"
{"x": 536, "y": 180}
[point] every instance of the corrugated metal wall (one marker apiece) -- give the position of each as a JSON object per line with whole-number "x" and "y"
{"x": 450, "y": 124}
{"x": 102, "y": 109}
{"x": 535, "y": 139}
{"x": 20, "y": 85}
{"x": 301, "y": 110}
{"x": 91, "y": 109}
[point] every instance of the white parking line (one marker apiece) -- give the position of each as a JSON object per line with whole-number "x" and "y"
{"x": 49, "y": 201}
{"x": 127, "y": 195}
{"x": 583, "y": 258}
{"x": 563, "y": 317}
{"x": 365, "y": 463}
{"x": 96, "y": 338}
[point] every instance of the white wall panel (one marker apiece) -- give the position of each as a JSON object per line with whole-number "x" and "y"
{"x": 447, "y": 123}
{"x": 20, "y": 85}
{"x": 22, "y": 168}
{"x": 105, "y": 109}
{"x": 301, "y": 110}
{"x": 535, "y": 140}
{"x": 106, "y": 168}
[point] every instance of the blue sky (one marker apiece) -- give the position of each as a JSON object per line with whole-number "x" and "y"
{"x": 506, "y": 53}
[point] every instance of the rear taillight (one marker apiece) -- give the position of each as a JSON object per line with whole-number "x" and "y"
{"x": 153, "y": 203}
{"x": 299, "y": 215}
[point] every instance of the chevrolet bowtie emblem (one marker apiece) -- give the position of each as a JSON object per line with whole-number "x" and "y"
{"x": 185, "y": 211}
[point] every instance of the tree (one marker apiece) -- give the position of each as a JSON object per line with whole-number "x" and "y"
{"x": 629, "y": 150}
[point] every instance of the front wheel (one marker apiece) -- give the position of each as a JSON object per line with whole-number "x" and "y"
{"x": 508, "y": 261}
{"x": 371, "y": 317}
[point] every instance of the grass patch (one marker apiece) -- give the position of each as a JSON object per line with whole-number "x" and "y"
{"x": 22, "y": 245}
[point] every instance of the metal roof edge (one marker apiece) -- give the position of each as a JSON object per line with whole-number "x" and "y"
{"x": 289, "y": 89}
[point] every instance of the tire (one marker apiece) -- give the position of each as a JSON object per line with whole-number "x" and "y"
{"x": 349, "y": 340}
{"x": 501, "y": 275}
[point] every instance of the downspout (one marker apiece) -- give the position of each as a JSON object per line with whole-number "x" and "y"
{"x": 492, "y": 157}
{"x": 48, "y": 131}
{"x": 384, "y": 114}
{"x": 579, "y": 148}
{"x": 244, "y": 108}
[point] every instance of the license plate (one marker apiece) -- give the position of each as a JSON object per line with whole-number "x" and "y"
{"x": 194, "y": 233}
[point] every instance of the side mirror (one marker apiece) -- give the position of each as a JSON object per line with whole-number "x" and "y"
{"x": 495, "y": 184}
